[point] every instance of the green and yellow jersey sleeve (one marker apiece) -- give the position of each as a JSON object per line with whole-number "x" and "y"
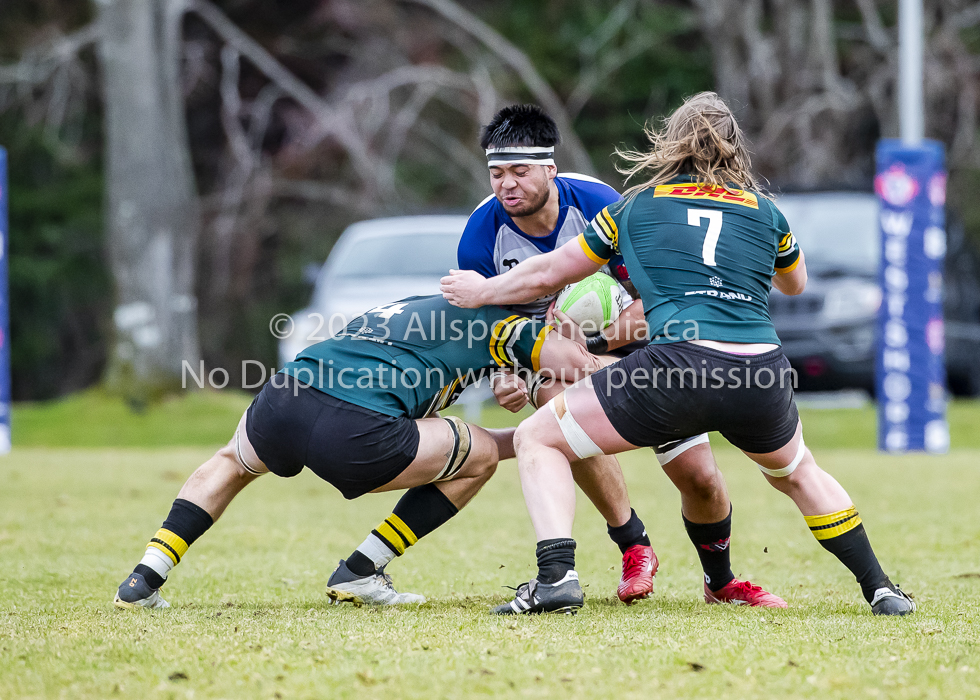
{"x": 600, "y": 240}
{"x": 787, "y": 249}
{"x": 516, "y": 341}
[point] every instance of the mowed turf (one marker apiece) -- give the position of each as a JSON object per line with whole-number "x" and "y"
{"x": 250, "y": 618}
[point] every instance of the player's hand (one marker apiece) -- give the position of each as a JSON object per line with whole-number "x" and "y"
{"x": 568, "y": 328}
{"x": 463, "y": 288}
{"x": 549, "y": 315}
{"x": 509, "y": 390}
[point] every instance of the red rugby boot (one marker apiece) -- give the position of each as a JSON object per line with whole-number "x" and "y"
{"x": 743, "y": 593}
{"x": 639, "y": 567}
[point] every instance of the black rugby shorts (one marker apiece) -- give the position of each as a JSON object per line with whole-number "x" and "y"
{"x": 355, "y": 449}
{"x": 664, "y": 393}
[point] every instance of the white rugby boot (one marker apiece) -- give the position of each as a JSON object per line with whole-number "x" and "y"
{"x": 344, "y": 586}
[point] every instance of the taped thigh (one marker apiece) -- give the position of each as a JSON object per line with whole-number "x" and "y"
{"x": 241, "y": 457}
{"x": 578, "y": 440}
{"x": 462, "y": 442}
{"x": 789, "y": 468}
{"x": 679, "y": 448}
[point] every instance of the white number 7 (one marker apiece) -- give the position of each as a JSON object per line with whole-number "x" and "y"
{"x": 694, "y": 217}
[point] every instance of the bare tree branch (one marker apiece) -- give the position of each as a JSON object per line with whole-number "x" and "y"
{"x": 328, "y": 119}
{"x": 877, "y": 36}
{"x": 317, "y": 191}
{"x": 512, "y": 56}
{"x": 39, "y": 63}
{"x": 460, "y": 155}
{"x": 598, "y": 72}
{"x": 617, "y": 18}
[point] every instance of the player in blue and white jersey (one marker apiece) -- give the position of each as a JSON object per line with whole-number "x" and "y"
{"x": 533, "y": 211}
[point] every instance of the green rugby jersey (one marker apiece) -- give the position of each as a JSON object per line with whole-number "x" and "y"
{"x": 702, "y": 259}
{"x": 415, "y": 356}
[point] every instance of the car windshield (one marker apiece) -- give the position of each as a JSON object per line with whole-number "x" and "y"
{"x": 836, "y": 231}
{"x": 430, "y": 254}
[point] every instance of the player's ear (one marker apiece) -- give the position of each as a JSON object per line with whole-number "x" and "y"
{"x": 551, "y": 170}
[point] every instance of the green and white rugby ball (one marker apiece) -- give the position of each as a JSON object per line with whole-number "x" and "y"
{"x": 593, "y": 303}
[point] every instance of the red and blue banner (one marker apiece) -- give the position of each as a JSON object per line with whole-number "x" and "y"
{"x": 910, "y": 372}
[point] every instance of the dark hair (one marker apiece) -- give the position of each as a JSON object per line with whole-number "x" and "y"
{"x": 520, "y": 125}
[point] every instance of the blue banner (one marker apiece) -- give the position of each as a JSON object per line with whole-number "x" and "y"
{"x": 4, "y": 311}
{"x": 910, "y": 373}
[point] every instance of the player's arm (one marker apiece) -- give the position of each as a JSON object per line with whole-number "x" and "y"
{"x": 542, "y": 275}
{"x": 790, "y": 267}
{"x": 568, "y": 360}
{"x": 509, "y": 390}
{"x": 628, "y": 328}
{"x": 534, "y": 278}
{"x": 793, "y": 281}
{"x": 520, "y": 342}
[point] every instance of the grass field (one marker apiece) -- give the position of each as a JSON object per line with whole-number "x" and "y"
{"x": 250, "y": 618}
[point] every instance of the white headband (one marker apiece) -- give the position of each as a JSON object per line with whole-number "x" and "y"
{"x": 520, "y": 155}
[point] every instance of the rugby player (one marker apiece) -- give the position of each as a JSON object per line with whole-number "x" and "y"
{"x": 704, "y": 245}
{"x": 534, "y": 210}
{"x": 360, "y": 411}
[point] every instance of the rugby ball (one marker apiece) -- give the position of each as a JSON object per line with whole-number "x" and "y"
{"x": 593, "y": 303}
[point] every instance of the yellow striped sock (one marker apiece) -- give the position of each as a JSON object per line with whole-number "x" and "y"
{"x": 170, "y": 544}
{"x": 396, "y": 533}
{"x": 825, "y": 527}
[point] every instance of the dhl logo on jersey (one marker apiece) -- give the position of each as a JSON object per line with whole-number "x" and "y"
{"x": 701, "y": 191}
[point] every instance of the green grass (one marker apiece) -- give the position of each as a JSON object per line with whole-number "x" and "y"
{"x": 250, "y": 619}
{"x": 93, "y": 419}
{"x": 206, "y": 418}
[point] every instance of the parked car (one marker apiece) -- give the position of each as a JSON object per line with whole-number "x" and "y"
{"x": 373, "y": 263}
{"x": 828, "y": 331}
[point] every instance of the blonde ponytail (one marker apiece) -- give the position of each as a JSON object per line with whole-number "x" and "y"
{"x": 701, "y": 138}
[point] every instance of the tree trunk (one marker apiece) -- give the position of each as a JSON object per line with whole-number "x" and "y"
{"x": 152, "y": 213}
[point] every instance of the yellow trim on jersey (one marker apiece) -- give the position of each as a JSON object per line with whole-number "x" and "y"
{"x": 536, "y": 350}
{"x": 700, "y": 190}
{"x": 786, "y": 243}
{"x": 588, "y": 251}
{"x": 825, "y": 527}
{"x": 499, "y": 337}
{"x": 789, "y": 268}
{"x": 170, "y": 544}
{"x": 610, "y": 226}
{"x": 404, "y": 529}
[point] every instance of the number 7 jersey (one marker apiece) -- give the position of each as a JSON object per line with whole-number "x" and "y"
{"x": 701, "y": 257}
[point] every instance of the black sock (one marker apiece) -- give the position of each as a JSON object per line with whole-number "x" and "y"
{"x": 418, "y": 512}
{"x": 185, "y": 523}
{"x": 712, "y": 541}
{"x": 555, "y": 559}
{"x": 629, "y": 534}
{"x": 188, "y": 521}
{"x": 842, "y": 534}
{"x": 152, "y": 578}
{"x": 424, "y": 508}
{"x": 359, "y": 564}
